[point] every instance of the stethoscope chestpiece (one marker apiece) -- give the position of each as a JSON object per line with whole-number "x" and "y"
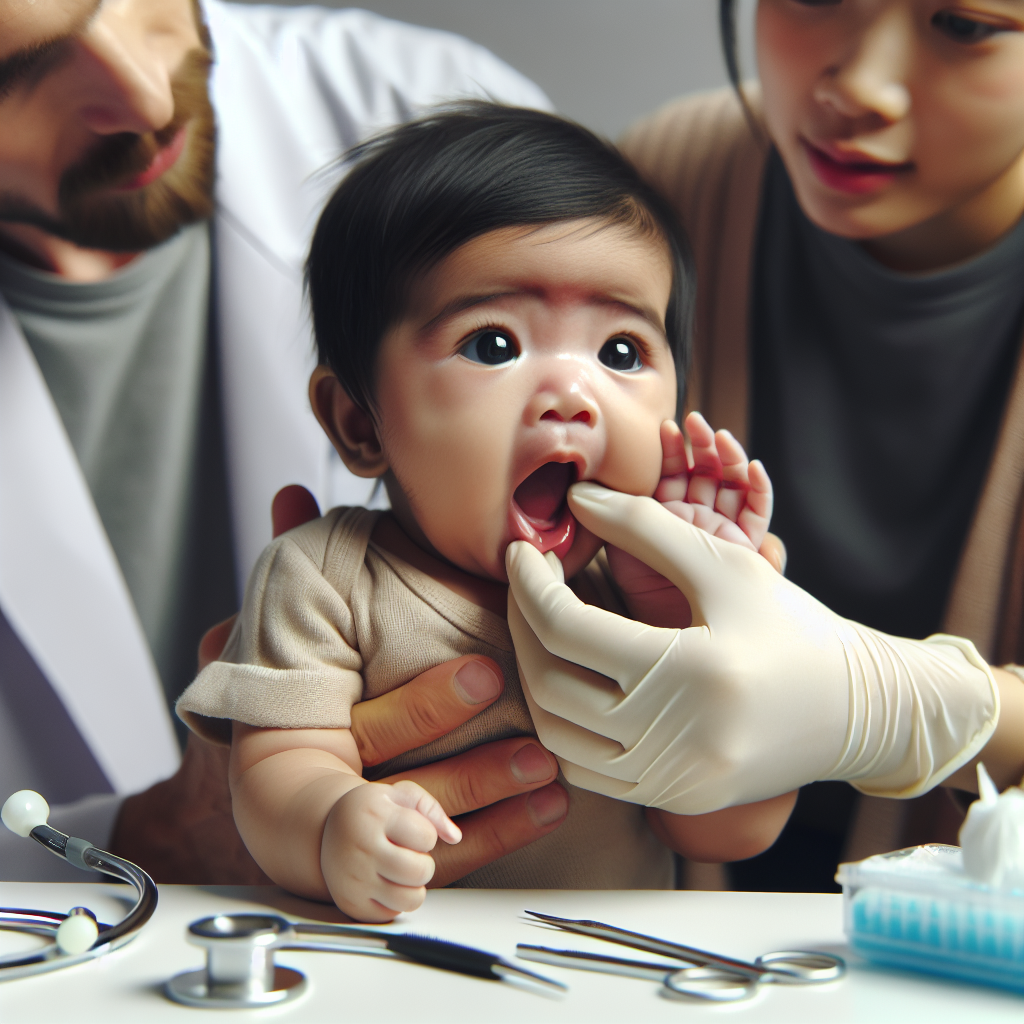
{"x": 240, "y": 969}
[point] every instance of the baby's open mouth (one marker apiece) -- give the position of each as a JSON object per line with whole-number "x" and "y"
{"x": 540, "y": 512}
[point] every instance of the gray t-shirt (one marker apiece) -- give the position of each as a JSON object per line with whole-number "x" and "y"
{"x": 129, "y": 366}
{"x": 876, "y": 402}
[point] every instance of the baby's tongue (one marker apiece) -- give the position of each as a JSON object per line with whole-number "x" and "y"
{"x": 542, "y": 493}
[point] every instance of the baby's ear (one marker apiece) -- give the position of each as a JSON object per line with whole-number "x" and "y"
{"x": 350, "y": 428}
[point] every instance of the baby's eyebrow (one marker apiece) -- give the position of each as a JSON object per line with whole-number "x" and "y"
{"x": 461, "y": 304}
{"x": 464, "y": 302}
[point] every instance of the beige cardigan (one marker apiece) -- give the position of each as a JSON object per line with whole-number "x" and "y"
{"x": 701, "y": 154}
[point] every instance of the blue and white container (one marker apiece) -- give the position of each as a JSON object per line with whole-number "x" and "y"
{"x": 918, "y": 909}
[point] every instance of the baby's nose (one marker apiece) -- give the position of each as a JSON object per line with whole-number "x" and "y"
{"x": 568, "y": 404}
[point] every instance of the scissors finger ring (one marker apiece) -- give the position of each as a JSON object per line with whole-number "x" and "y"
{"x": 797, "y": 966}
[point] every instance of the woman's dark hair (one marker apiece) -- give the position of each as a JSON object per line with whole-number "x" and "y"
{"x": 727, "y": 33}
{"x": 419, "y": 191}
{"x": 730, "y": 46}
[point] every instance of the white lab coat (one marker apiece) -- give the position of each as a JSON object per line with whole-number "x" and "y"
{"x": 293, "y": 89}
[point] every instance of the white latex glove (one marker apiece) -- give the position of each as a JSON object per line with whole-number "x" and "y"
{"x": 767, "y": 691}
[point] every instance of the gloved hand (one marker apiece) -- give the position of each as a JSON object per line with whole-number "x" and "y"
{"x": 767, "y": 691}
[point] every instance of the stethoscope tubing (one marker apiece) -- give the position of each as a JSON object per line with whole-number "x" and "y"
{"x": 46, "y": 923}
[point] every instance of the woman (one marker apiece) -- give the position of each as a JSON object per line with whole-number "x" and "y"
{"x": 856, "y": 225}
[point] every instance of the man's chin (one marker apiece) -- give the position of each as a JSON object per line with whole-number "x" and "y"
{"x": 134, "y": 221}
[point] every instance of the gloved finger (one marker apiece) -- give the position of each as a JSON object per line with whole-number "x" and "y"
{"x": 703, "y": 568}
{"x": 561, "y": 687}
{"x": 774, "y": 550}
{"x": 571, "y": 742}
{"x": 607, "y": 643}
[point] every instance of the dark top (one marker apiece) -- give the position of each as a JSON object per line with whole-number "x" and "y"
{"x": 876, "y": 402}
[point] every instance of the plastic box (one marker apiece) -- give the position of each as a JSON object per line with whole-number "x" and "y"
{"x": 917, "y": 909}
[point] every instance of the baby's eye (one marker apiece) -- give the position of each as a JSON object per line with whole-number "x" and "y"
{"x": 962, "y": 29}
{"x": 492, "y": 348}
{"x": 620, "y": 354}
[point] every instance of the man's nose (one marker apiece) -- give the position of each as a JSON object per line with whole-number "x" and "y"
{"x": 871, "y": 75}
{"x": 130, "y": 87}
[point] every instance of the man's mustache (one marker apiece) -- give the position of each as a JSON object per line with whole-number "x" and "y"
{"x": 118, "y": 159}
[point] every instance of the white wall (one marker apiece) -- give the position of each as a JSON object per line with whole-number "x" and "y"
{"x": 602, "y": 62}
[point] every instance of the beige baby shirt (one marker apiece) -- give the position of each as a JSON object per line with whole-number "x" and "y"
{"x": 330, "y": 619}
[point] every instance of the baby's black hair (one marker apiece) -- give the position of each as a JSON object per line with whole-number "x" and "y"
{"x": 418, "y": 192}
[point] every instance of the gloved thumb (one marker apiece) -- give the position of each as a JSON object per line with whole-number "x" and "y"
{"x": 692, "y": 559}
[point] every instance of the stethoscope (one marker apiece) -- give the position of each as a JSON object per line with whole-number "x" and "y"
{"x": 240, "y": 970}
{"x": 76, "y": 936}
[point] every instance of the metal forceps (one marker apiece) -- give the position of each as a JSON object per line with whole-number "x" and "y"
{"x": 716, "y": 978}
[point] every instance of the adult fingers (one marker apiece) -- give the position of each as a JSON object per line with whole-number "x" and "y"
{"x": 484, "y": 775}
{"x": 292, "y": 506}
{"x": 607, "y": 643}
{"x": 212, "y": 645}
{"x": 498, "y": 830}
{"x": 429, "y": 706}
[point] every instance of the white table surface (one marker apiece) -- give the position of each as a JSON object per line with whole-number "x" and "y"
{"x": 126, "y": 985}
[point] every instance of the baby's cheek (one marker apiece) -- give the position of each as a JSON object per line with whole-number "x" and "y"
{"x": 633, "y": 466}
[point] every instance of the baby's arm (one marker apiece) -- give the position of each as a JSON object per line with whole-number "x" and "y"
{"x": 319, "y": 830}
{"x": 730, "y": 498}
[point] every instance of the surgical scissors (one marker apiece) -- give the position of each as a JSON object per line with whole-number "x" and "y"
{"x": 711, "y": 976}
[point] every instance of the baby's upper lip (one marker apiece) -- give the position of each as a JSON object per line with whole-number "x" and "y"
{"x": 854, "y": 156}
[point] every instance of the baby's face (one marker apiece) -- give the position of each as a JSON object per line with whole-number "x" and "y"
{"x": 528, "y": 359}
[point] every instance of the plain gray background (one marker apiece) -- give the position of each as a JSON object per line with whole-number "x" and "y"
{"x": 602, "y": 62}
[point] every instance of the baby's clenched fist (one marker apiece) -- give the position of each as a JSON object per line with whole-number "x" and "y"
{"x": 375, "y": 854}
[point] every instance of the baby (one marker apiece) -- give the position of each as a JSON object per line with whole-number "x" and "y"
{"x": 501, "y": 308}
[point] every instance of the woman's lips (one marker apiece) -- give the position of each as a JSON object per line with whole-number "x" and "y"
{"x": 164, "y": 160}
{"x": 540, "y": 514}
{"x": 851, "y": 175}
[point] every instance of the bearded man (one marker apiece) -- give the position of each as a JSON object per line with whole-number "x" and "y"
{"x": 162, "y": 165}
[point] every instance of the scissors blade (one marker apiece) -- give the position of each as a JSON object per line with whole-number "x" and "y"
{"x": 650, "y": 944}
{"x": 595, "y": 962}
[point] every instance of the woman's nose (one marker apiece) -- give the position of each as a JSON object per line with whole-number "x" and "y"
{"x": 870, "y": 78}
{"x": 130, "y": 87}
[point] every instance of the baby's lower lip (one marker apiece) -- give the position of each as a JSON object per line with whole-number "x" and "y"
{"x": 557, "y": 537}
{"x": 539, "y": 512}
{"x": 853, "y": 178}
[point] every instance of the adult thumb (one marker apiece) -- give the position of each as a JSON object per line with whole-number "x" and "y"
{"x": 697, "y": 563}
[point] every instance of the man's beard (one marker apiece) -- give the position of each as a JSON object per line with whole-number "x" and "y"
{"x": 94, "y": 214}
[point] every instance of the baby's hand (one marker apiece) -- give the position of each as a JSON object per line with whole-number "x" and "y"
{"x": 375, "y": 854}
{"x": 722, "y": 494}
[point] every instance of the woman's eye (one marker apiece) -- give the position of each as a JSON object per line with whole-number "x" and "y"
{"x": 492, "y": 348}
{"x": 962, "y": 29}
{"x": 620, "y": 354}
